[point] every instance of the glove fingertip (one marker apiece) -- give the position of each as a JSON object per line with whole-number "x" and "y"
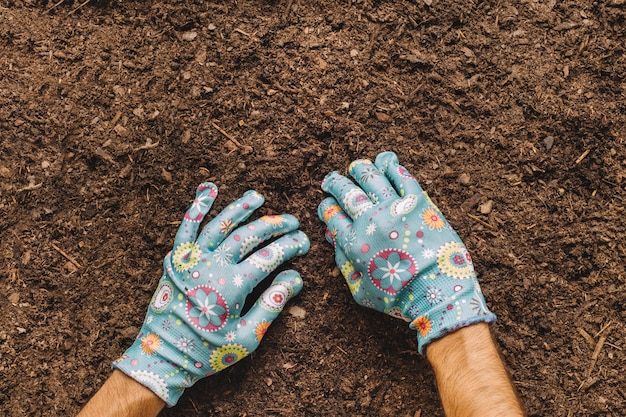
{"x": 327, "y": 209}
{"x": 254, "y": 193}
{"x": 357, "y": 162}
{"x": 270, "y": 304}
{"x": 328, "y": 180}
{"x": 207, "y": 185}
{"x": 384, "y": 159}
{"x": 303, "y": 241}
{"x": 293, "y": 279}
{"x": 204, "y": 190}
{"x": 291, "y": 220}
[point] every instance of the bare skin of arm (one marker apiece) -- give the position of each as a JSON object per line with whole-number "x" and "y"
{"x": 122, "y": 396}
{"x": 471, "y": 376}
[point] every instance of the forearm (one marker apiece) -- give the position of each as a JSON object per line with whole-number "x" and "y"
{"x": 471, "y": 376}
{"x": 122, "y": 396}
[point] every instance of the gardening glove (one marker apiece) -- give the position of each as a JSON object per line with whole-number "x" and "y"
{"x": 193, "y": 327}
{"x": 397, "y": 252}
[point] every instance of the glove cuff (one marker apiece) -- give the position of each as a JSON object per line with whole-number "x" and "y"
{"x": 157, "y": 367}
{"x": 463, "y": 311}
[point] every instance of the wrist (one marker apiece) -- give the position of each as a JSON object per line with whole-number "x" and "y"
{"x": 471, "y": 377}
{"x": 123, "y": 396}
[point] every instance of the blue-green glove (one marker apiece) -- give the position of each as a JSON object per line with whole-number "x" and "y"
{"x": 397, "y": 252}
{"x": 193, "y": 327}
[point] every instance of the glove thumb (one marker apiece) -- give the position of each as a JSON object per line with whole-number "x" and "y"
{"x": 269, "y": 305}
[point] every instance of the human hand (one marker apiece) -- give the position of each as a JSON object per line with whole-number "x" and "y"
{"x": 193, "y": 326}
{"x": 397, "y": 252}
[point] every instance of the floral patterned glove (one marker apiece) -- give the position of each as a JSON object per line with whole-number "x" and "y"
{"x": 194, "y": 326}
{"x": 397, "y": 252}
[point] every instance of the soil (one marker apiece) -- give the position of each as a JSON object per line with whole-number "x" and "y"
{"x": 510, "y": 113}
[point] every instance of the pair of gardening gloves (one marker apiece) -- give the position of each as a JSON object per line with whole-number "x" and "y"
{"x": 395, "y": 249}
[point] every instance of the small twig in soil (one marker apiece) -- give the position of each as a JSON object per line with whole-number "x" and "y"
{"x": 31, "y": 187}
{"x": 613, "y": 346}
{"x": 242, "y": 32}
{"x": 588, "y": 383}
{"x": 606, "y": 326}
{"x": 103, "y": 264}
{"x": 609, "y": 182}
{"x": 287, "y": 10}
{"x": 65, "y": 255}
{"x": 341, "y": 349}
{"x": 481, "y": 221}
{"x": 582, "y": 156}
{"x": 115, "y": 118}
{"x": 587, "y": 337}
{"x": 596, "y": 353}
{"x": 245, "y": 148}
{"x": 80, "y": 6}
{"x": 54, "y": 6}
{"x": 194, "y": 406}
{"x": 147, "y": 146}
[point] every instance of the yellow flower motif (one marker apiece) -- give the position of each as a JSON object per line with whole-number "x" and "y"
{"x": 423, "y": 325}
{"x": 274, "y": 220}
{"x": 353, "y": 278}
{"x": 261, "y": 329}
{"x": 353, "y": 164}
{"x": 433, "y": 219}
{"x": 150, "y": 344}
{"x": 227, "y": 355}
{"x": 186, "y": 256}
{"x": 330, "y": 212}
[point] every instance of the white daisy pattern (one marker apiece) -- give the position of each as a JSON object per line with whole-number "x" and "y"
{"x": 223, "y": 255}
{"x": 201, "y": 202}
{"x": 349, "y": 240}
{"x": 371, "y": 228}
{"x": 185, "y": 344}
{"x": 238, "y": 280}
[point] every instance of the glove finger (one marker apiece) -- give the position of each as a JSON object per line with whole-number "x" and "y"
{"x": 371, "y": 180}
{"x": 400, "y": 177}
{"x": 205, "y": 196}
{"x": 337, "y": 221}
{"x": 269, "y": 305}
{"x": 266, "y": 259}
{"x": 219, "y": 227}
{"x": 243, "y": 240}
{"x": 352, "y": 199}
{"x": 353, "y": 278}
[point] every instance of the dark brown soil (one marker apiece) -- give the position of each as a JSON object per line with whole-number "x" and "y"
{"x": 109, "y": 117}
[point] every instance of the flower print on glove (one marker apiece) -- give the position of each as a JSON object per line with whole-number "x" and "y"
{"x": 194, "y": 326}
{"x": 397, "y": 252}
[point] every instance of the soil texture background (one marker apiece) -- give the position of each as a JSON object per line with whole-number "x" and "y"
{"x": 509, "y": 113}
